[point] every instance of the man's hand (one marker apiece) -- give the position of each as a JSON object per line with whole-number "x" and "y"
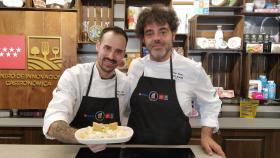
{"x": 97, "y": 147}
{"x": 61, "y": 131}
{"x": 208, "y": 144}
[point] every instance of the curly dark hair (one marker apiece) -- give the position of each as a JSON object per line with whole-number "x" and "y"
{"x": 159, "y": 14}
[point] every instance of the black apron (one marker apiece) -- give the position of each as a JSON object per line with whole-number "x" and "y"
{"x": 93, "y": 109}
{"x": 156, "y": 116}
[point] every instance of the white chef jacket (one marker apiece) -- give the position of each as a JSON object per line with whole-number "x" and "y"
{"x": 192, "y": 84}
{"x": 71, "y": 88}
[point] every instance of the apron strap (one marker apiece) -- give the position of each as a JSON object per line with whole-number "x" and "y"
{"x": 171, "y": 67}
{"x": 116, "y": 86}
{"x": 90, "y": 80}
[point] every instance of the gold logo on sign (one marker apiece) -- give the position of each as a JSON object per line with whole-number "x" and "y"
{"x": 44, "y": 53}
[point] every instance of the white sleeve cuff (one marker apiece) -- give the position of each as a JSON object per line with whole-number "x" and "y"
{"x": 210, "y": 123}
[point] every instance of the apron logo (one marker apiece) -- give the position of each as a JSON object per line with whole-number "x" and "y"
{"x": 163, "y": 97}
{"x": 100, "y": 115}
{"x": 153, "y": 96}
{"x": 109, "y": 116}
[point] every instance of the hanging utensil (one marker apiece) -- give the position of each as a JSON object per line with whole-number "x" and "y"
{"x": 101, "y": 16}
{"x": 95, "y": 30}
{"x": 107, "y": 21}
{"x": 85, "y": 25}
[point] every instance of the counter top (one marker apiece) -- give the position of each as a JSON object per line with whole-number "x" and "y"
{"x": 69, "y": 151}
{"x": 243, "y": 123}
{"x": 225, "y": 123}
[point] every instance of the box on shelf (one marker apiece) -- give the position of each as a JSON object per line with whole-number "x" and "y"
{"x": 248, "y": 108}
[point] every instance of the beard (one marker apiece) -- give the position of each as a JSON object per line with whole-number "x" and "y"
{"x": 107, "y": 65}
{"x": 160, "y": 55}
{"x": 160, "y": 51}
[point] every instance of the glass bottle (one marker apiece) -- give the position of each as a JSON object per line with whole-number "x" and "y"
{"x": 271, "y": 89}
{"x": 219, "y": 37}
{"x": 85, "y": 31}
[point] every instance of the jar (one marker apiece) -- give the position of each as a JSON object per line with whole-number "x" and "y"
{"x": 259, "y": 4}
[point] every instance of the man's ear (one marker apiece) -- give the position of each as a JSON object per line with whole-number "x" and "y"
{"x": 173, "y": 36}
{"x": 143, "y": 42}
{"x": 97, "y": 46}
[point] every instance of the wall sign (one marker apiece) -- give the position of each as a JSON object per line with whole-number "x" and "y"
{"x": 44, "y": 53}
{"x": 12, "y": 52}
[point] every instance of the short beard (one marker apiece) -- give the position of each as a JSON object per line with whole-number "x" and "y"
{"x": 105, "y": 72}
{"x": 160, "y": 58}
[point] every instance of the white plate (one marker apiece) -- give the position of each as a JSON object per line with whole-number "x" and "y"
{"x": 128, "y": 130}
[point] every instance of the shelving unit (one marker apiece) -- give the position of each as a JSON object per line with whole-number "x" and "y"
{"x": 262, "y": 64}
{"x": 244, "y": 67}
{"x": 97, "y": 13}
{"x": 231, "y": 69}
{"x": 223, "y": 65}
{"x": 256, "y": 64}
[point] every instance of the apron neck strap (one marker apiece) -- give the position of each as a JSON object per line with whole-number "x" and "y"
{"x": 90, "y": 80}
{"x": 171, "y": 67}
{"x": 116, "y": 86}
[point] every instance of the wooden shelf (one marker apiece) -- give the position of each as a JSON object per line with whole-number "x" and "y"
{"x": 85, "y": 42}
{"x": 264, "y": 53}
{"x": 36, "y": 9}
{"x": 262, "y": 14}
{"x": 97, "y": 3}
{"x": 226, "y": 8}
{"x": 212, "y": 51}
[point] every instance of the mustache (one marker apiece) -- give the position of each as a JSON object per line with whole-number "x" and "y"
{"x": 113, "y": 61}
{"x": 156, "y": 42}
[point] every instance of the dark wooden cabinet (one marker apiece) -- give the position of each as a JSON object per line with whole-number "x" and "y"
{"x": 23, "y": 135}
{"x": 11, "y": 136}
{"x": 245, "y": 147}
{"x": 245, "y": 143}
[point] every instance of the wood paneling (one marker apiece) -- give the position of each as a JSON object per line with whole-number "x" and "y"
{"x": 244, "y": 148}
{"x": 37, "y": 23}
{"x": 244, "y": 143}
{"x": 11, "y": 136}
{"x": 21, "y": 135}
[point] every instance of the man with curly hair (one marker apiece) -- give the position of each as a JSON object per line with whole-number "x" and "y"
{"x": 164, "y": 84}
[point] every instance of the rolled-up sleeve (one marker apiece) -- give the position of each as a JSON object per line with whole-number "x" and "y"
{"x": 207, "y": 100}
{"x": 61, "y": 107}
